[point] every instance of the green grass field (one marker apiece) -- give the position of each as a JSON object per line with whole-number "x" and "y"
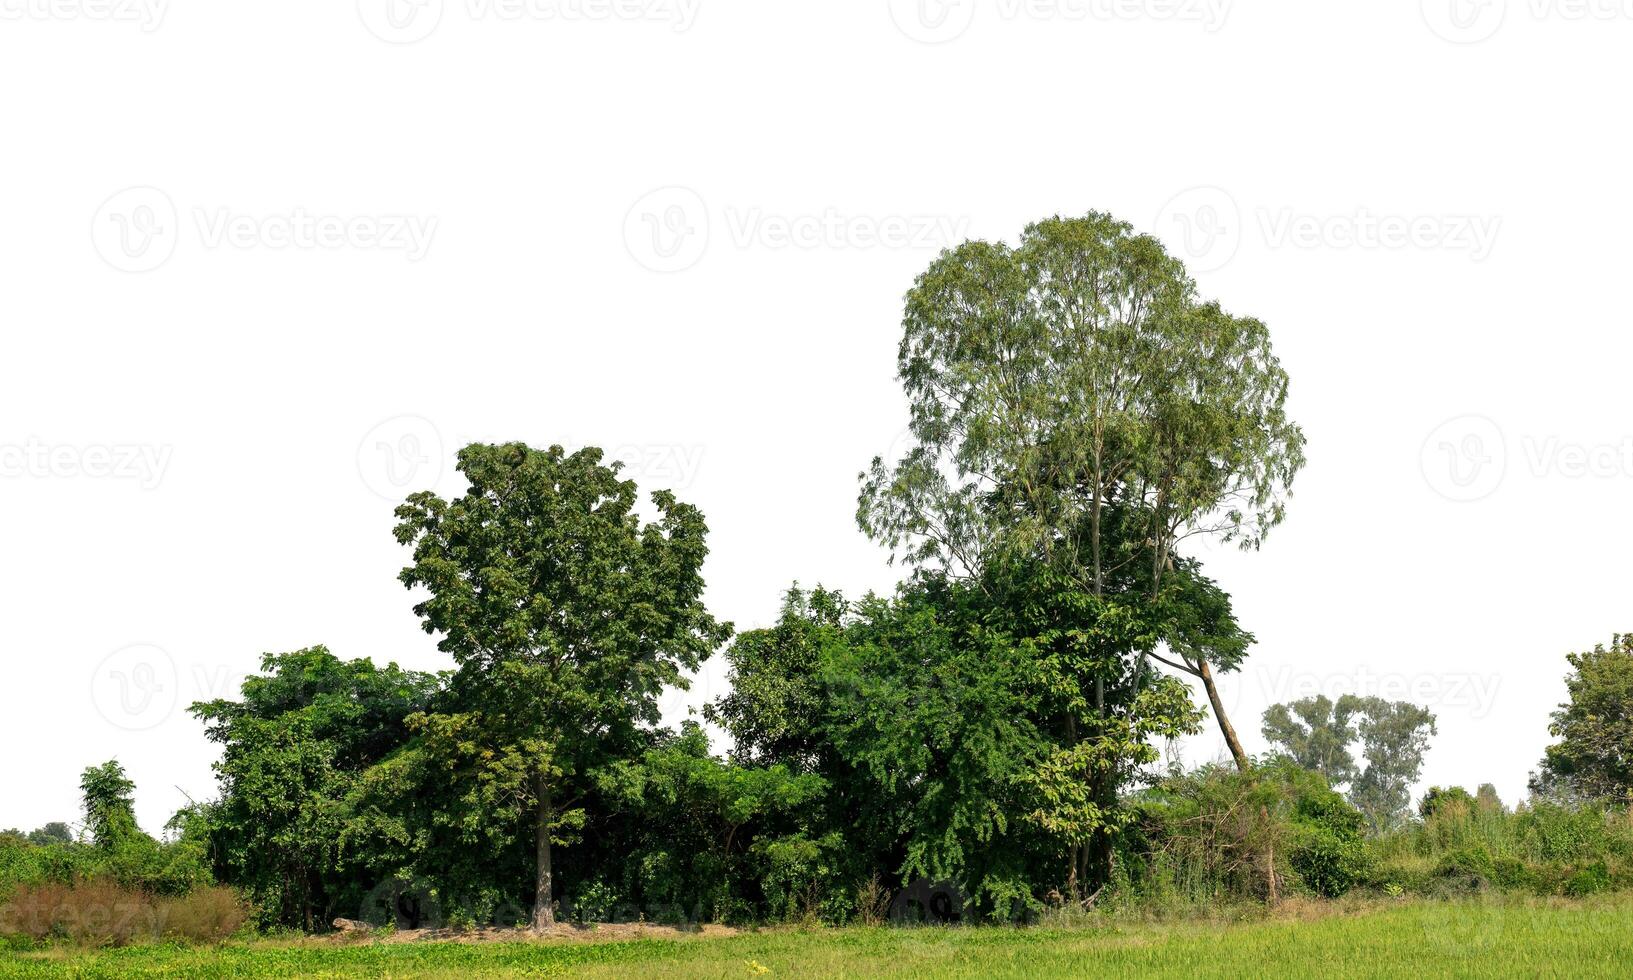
{"x": 1420, "y": 939}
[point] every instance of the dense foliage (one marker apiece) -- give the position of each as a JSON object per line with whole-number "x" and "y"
{"x": 1593, "y": 759}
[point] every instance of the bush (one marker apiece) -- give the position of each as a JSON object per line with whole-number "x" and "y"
{"x": 1466, "y": 842}
{"x": 1469, "y": 867}
{"x": 1589, "y": 880}
{"x": 1327, "y": 851}
{"x": 1218, "y": 833}
{"x": 595, "y": 903}
{"x": 105, "y": 913}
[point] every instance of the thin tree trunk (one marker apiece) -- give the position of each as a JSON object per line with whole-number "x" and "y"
{"x": 1229, "y": 731}
{"x": 1270, "y": 860}
{"x": 544, "y": 913}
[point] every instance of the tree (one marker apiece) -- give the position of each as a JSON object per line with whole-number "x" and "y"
{"x": 1593, "y": 757}
{"x": 1394, "y": 737}
{"x": 1072, "y": 387}
{"x": 939, "y": 718}
{"x": 110, "y": 808}
{"x": 1316, "y": 733}
{"x": 294, "y": 749}
{"x": 55, "y": 832}
{"x": 566, "y": 617}
{"x": 775, "y": 708}
{"x": 1319, "y": 734}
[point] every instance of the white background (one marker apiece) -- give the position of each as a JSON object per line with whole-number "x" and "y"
{"x": 1428, "y": 204}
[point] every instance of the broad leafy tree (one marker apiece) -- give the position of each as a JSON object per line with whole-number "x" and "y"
{"x": 110, "y": 808}
{"x": 566, "y": 616}
{"x": 1593, "y": 757}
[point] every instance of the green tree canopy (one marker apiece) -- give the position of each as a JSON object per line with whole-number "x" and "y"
{"x": 1074, "y": 402}
{"x": 566, "y": 616}
{"x": 295, "y": 746}
{"x": 1593, "y": 757}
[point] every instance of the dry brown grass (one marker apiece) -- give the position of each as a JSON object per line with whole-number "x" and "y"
{"x": 102, "y": 913}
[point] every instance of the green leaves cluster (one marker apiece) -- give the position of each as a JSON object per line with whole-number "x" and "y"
{"x": 1593, "y": 757}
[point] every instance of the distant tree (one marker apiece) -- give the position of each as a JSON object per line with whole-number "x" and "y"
{"x": 109, "y": 801}
{"x": 567, "y": 617}
{"x": 1593, "y": 757}
{"x": 55, "y": 832}
{"x": 1319, "y": 734}
{"x": 1439, "y": 798}
{"x": 1316, "y": 733}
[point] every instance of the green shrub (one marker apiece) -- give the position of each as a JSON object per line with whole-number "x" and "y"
{"x": 1217, "y": 833}
{"x": 1468, "y": 867}
{"x": 1588, "y": 880}
{"x": 594, "y": 903}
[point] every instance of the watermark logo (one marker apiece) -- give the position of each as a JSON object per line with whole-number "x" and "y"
{"x": 402, "y": 903}
{"x": 1473, "y": 21}
{"x": 1464, "y": 459}
{"x": 136, "y": 688}
{"x": 1467, "y": 458}
{"x": 933, "y": 21}
{"x": 1206, "y": 227}
{"x": 147, "y": 14}
{"x": 667, "y": 230}
{"x": 1204, "y": 224}
{"x": 1464, "y": 21}
{"x": 135, "y": 230}
{"x": 400, "y": 455}
{"x": 400, "y": 21}
{"x": 926, "y": 902}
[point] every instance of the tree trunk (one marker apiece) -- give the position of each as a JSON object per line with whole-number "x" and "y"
{"x": 544, "y": 913}
{"x": 1235, "y": 744}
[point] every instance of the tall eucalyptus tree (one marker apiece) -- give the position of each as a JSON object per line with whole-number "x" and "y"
{"x": 1074, "y": 401}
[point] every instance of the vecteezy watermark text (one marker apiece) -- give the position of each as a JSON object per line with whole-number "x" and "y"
{"x": 137, "y": 230}
{"x": 669, "y": 229}
{"x": 940, "y": 21}
{"x": 407, "y": 21}
{"x": 147, "y": 14}
{"x": 1205, "y": 226}
{"x": 141, "y": 463}
{"x": 406, "y": 233}
{"x": 1477, "y": 693}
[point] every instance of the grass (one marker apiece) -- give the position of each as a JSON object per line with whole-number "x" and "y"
{"x": 1498, "y": 938}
